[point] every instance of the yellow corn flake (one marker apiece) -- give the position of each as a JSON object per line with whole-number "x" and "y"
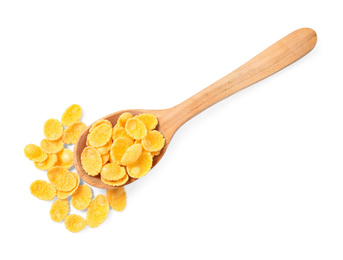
{"x": 131, "y": 154}
{"x": 117, "y": 198}
{"x": 119, "y": 182}
{"x": 66, "y": 194}
{"x": 59, "y": 210}
{"x": 72, "y": 132}
{"x": 97, "y": 211}
{"x": 119, "y": 131}
{"x": 155, "y": 153}
{"x": 49, "y": 146}
{"x": 71, "y": 115}
{"x": 149, "y": 120}
{"x": 43, "y": 190}
{"x": 136, "y": 128}
{"x": 140, "y": 167}
{"x": 154, "y": 141}
{"x": 105, "y": 149}
{"x": 61, "y": 179}
{"x": 48, "y": 163}
{"x": 53, "y": 129}
{"x": 105, "y": 158}
{"x": 75, "y": 223}
{"x": 35, "y": 153}
{"x": 123, "y": 118}
{"x": 91, "y": 161}
{"x": 119, "y": 147}
{"x": 82, "y": 197}
{"x": 112, "y": 172}
{"x": 65, "y": 158}
{"x": 100, "y": 135}
{"x": 100, "y": 122}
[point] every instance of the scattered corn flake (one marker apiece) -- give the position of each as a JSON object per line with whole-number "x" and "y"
{"x": 91, "y": 161}
{"x": 66, "y": 194}
{"x": 105, "y": 148}
{"x": 123, "y": 118}
{"x": 112, "y": 172}
{"x": 154, "y": 141}
{"x": 119, "y": 131}
{"x": 65, "y": 158}
{"x": 119, "y": 147}
{"x": 119, "y": 182}
{"x": 35, "y": 153}
{"x": 72, "y": 132}
{"x": 140, "y": 167}
{"x": 149, "y": 120}
{"x": 49, "y": 146}
{"x": 117, "y": 198}
{"x": 53, "y": 129}
{"x": 47, "y": 163}
{"x": 105, "y": 158}
{"x": 75, "y": 223}
{"x": 100, "y": 135}
{"x": 135, "y": 128}
{"x": 61, "y": 178}
{"x": 71, "y": 115}
{"x": 43, "y": 190}
{"x": 97, "y": 211}
{"x": 131, "y": 154}
{"x": 59, "y": 210}
{"x": 82, "y": 197}
{"x": 100, "y": 122}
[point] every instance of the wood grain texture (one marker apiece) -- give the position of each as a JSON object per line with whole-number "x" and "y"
{"x": 278, "y": 56}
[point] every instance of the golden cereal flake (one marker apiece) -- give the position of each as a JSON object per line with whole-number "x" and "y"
{"x": 49, "y": 146}
{"x": 97, "y": 211}
{"x": 53, "y": 129}
{"x": 119, "y": 182}
{"x": 149, "y": 120}
{"x": 35, "y": 153}
{"x": 71, "y": 115}
{"x": 100, "y": 135}
{"x": 66, "y": 194}
{"x": 140, "y": 167}
{"x": 131, "y": 154}
{"x": 59, "y": 210}
{"x": 119, "y": 131}
{"x": 112, "y": 171}
{"x": 100, "y": 122}
{"x": 61, "y": 178}
{"x": 136, "y": 128}
{"x": 48, "y": 163}
{"x": 65, "y": 158}
{"x": 154, "y": 141}
{"x": 123, "y": 118}
{"x": 82, "y": 197}
{"x": 105, "y": 148}
{"x": 73, "y": 132}
{"x": 91, "y": 161}
{"x": 119, "y": 147}
{"x": 105, "y": 158}
{"x": 43, "y": 190}
{"x": 155, "y": 153}
{"x": 75, "y": 223}
{"x": 117, "y": 198}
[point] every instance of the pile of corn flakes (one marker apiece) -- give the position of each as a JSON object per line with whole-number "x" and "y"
{"x": 64, "y": 186}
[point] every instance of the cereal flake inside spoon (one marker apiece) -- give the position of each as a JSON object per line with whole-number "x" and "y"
{"x": 278, "y": 56}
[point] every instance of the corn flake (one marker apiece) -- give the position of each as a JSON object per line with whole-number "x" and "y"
{"x": 154, "y": 141}
{"x": 48, "y": 163}
{"x": 119, "y": 182}
{"x": 49, "y": 146}
{"x": 140, "y": 167}
{"x": 112, "y": 172}
{"x": 100, "y": 122}
{"x": 82, "y": 197}
{"x": 35, "y": 153}
{"x": 74, "y": 223}
{"x": 119, "y": 131}
{"x": 73, "y": 132}
{"x": 149, "y": 120}
{"x": 91, "y": 161}
{"x": 123, "y": 118}
{"x": 117, "y": 198}
{"x": 66, "y": 194}
{"x": 105, "y": 158}
{"x": 53, "y": 129}
{"x": 71, "y": 115}
{"x": 43, "y": 190}
{"x": 61, "y": 179}
{"x": 97, "y": 211}
{"x": 105, "y": 149}
{"x": 59, "y": 210}
{"x": 135, "y": 128}
{"x": 119, "y": 147}
{"x": 131, "y": 154}
{"x": 65, "y": 158}
{"x": 100, "y": 135}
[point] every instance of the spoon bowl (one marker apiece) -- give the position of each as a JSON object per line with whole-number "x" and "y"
{"x": 276, "y": 57}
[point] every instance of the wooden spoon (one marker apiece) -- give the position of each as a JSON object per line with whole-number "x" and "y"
{"x": 279, "y": 55}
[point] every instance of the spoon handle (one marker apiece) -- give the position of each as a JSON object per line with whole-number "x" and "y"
{"x": 278, "y": 56}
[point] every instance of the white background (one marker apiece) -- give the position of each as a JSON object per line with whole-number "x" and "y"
{"x": 257, "y": 176}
